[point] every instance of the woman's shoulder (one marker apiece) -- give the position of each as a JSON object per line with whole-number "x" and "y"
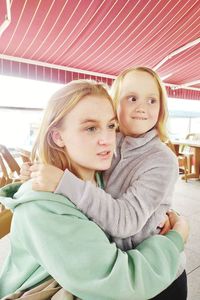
{"x": 28, "y": 201}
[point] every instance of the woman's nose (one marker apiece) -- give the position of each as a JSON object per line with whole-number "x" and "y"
{"x": 102, "y": 142}
{"x": 106, "y": 138}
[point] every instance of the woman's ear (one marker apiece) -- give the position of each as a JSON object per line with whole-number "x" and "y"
{"x": 57, "y": 137}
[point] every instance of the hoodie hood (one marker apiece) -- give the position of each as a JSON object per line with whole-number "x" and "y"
{"x": 15, "y": 194}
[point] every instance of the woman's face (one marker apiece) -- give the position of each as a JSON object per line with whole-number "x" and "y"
{"x": 139, "y": 103}
{"x": 88, "y": 133}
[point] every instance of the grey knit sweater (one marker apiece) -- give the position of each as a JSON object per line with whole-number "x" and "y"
{"x": 138, "y": 190}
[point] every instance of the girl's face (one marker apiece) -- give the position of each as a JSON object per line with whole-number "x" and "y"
{"x": 139, "y": 103}
{"x": 88, "y": 134}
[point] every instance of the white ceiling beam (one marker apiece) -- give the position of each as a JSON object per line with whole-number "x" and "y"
{"x": 58, "y": 67}
{"x": 7, "y": 20}
{"x": 53, "y": 66}
{"x": 192, "y": 83}
{"x": 181, "y": 86}
{"x": 177, "y": 51}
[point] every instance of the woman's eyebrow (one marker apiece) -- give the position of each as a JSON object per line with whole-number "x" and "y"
{"x": 88, "y": 121}
{"x": 95, "y": 120}
{"x": 114, "y": 118}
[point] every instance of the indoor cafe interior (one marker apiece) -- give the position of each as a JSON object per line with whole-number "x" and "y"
{"x": 45, "y": 44}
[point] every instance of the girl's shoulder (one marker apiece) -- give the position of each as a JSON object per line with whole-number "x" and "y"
{"x": 166, "y": 150}
{"x": 160, "y": 154}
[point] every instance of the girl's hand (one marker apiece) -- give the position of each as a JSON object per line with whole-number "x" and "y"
{"x": 25, "y": 173}
{"x": 165, "y": 226}
{"x": 45, "y": 177}
{"x": 179, "y": 224}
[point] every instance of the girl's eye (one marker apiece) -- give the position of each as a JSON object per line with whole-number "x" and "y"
{"x": 151, "y": 101}
{"x": 132, "y": 99}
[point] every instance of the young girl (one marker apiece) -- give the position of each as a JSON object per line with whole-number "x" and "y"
{"x": 140, "y": 183}
{"x": 53, "y": 244}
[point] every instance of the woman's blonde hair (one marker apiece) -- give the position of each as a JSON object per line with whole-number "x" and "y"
{"x": 163, "y": 113}
{"x": 59, "y": 105}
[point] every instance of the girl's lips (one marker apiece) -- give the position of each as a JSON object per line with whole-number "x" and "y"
{"x": 139, "y": 118}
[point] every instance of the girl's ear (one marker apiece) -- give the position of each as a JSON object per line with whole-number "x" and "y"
{"x": 57, "y": 137}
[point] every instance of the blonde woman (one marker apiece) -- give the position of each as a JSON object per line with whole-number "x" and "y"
{"x": 52, "y": 242}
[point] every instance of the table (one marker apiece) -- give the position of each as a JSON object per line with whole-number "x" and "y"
{"x": 195, "y": 144}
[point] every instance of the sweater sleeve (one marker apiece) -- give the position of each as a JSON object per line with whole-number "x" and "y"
{"x": 78, "y": 255}
{"x": 128, "y": 214}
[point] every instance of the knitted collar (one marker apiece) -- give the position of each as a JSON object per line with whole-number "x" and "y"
{"x": 126, "y": 144}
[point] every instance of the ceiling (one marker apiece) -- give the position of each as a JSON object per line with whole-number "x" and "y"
{"x": 60, "y": 40}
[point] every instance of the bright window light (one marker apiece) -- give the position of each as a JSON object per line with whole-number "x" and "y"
{"x": 20, "y": 92}
{"x": 20, "y": 125}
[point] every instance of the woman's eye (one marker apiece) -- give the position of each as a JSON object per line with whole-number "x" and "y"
{"x": 91, "y": 129}
{"x": 112, "y": 126}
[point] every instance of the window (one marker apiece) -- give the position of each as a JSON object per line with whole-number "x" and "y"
{"x": 184, "y": 117}
{"x": 21, "y": 107}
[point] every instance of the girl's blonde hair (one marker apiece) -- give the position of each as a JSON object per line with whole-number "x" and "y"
{"x": 163, "y": 113}
{"x": 59, "y": 105}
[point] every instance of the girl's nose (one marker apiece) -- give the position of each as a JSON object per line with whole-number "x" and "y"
{"x": 140, "y": 108}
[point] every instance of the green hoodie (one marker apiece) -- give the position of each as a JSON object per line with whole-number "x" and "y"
{"x": 50, "y": 237}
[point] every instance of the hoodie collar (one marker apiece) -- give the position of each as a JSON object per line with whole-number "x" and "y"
{"x": 126, "y": 144}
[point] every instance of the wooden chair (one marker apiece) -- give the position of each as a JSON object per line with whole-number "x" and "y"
{"x": 183, "y": 164}
{"x": 9, "y": 173}
{"x": 24, "y": 154}
{"x": 5, "y": 222}
{"x": 5, "y": 214}
{"x": 181, "y": 159}
{"x": 9, "y": 168}
{"x": 186, "y": 153}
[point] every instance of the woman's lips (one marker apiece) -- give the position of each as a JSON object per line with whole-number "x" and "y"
{"x": 104, "y": 154}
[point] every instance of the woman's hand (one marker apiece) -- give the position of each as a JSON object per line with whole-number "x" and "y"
{"x": 179, "y": 224}
{"x": 45, "y": 177}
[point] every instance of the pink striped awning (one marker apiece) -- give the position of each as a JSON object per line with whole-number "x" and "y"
{"x": 69, "y": 39}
